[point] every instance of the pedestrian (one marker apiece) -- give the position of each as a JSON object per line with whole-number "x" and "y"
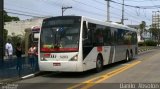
{"x": 36, "y": 59}
{"x": 31, "y": 54}
{"x": 19, "y": 58}
{"x": 9, "y": 51}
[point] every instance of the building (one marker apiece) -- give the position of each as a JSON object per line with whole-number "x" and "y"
{"x": 18, "y": 27}
{"x": 156, "y": 19}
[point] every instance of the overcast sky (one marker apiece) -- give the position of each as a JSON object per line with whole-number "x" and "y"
{"x": 91, "y": 8}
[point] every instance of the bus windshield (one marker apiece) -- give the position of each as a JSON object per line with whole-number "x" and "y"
{"x": 60, "y": 35}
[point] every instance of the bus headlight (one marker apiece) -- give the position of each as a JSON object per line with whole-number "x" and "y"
{"x": 75, "y": 58}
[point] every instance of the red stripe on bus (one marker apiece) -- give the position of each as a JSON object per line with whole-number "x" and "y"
{"x": 58, "y": 49}
{"x": 47, "y": 55}
{"x": 99, "y": 48}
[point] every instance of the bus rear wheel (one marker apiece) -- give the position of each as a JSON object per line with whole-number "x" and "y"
{"x": 99, "y": 64}
{"x": 131, "y": 56}
{"x": 127, "y": 56}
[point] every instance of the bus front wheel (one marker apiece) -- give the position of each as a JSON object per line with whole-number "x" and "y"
{"x": 99, "y": 64}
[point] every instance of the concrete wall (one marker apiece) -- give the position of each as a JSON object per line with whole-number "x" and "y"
{"x": 18, "y": 27}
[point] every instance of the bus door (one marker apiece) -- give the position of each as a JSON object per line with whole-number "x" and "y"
{"x": 119, "y": 45}
{"x": 88, "y": 44}
{"x": 112, "y": 43}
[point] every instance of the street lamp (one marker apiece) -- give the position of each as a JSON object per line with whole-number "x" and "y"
{"x": 65, "y": 8}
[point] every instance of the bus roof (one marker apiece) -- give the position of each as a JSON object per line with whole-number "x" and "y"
{"x": 110, "y": 24}
{"x": 96, "y": 21}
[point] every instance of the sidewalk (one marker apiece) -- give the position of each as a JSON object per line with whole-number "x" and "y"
{"x": 8, "y": 69}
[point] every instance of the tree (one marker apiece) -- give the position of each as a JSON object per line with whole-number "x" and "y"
{"x": 142, "y": 27}
{"x": 8, "y": 18}
{"x": 155, "y": 33}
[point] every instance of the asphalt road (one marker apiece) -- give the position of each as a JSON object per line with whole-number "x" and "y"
{"x": 136, "y": 74}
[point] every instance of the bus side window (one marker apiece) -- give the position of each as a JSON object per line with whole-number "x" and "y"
{"x": 107, "y": 36}
{"x": 87, "y": 34}
{"x": 85, "y": 30}
{"x": 98, "y": 36}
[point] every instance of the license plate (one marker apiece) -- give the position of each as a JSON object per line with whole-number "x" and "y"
{"x": 56, "y": 64}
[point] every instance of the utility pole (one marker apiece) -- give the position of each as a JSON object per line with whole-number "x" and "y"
{"x": 122, "y": 21}
{"x": 1, "y": 33}
{"x": 65, "y": 8}
{"x": 108, "y": 10}
{"x": 158, "y": 29}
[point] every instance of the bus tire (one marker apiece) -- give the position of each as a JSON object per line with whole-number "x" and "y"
{"x": 131, "y": 56}
{"x": 127, "y": 56}
{"x": 99, "y": 64}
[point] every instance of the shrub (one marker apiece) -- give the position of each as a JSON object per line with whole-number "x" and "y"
{"x": 150, "y": 43}
{"x": 141, "y": 44}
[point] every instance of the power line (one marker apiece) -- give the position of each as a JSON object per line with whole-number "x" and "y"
{"x": 153, "y": 3}
{"x": 23, "y": 11}
{"x": 119, "y": 9}
{"x": 24, "y": 14}
{"x": 131, "y": 14}
{"x": 78, "y": 9}
{"x": 88, "y": 5}
{"x": 142, "y": 7}
{"x": 91, "y": 6}
{"x": 99, "y": 2}
{"x": 139, "y": 0}
{"x": 17, "y": 5}
{"x": 65, "y": 8}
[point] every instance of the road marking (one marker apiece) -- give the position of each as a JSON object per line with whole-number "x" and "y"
{"x": 27, "y": 76}
{"x": 89, "y": 83}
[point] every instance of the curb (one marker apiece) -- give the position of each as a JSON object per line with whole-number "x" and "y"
{"x": 146, "y": 49}
{"x": 142, "y": 50}
{"x": 22, "y": 78}
{"x": 34, "y": 75}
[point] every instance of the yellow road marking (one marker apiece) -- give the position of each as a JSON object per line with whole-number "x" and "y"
{"x": 89, "y": 83}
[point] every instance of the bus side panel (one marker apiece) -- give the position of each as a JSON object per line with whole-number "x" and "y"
{"x": 90, "y": 59}
{"x": 89, "y": 62}
{"x": 120, "y": 52}
{"x": 65, "y": 66}
{"x": 107, "y": 55}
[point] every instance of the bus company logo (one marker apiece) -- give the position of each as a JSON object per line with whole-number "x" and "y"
{"x": 64, "y": 56}
{"x": 53, "y": 56}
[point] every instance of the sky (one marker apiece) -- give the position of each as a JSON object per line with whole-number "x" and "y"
{"x": 97, "y": 9}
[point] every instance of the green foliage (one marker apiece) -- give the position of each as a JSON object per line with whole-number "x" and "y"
{"x": 14, "y": 39}
{"x": 5, "y": 33}
{"x": 154, "y": 31}
{"x": 147, "y": 43}
{"x": 141, "y": 44}
{"x": 8, "y": 18}
{"x": 142, "y": 27}
{"x": 17, "y": 39}
{"x": 150, "y": 43}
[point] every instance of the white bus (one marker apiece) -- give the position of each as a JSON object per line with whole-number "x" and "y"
{"x": 77, "y": 44}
